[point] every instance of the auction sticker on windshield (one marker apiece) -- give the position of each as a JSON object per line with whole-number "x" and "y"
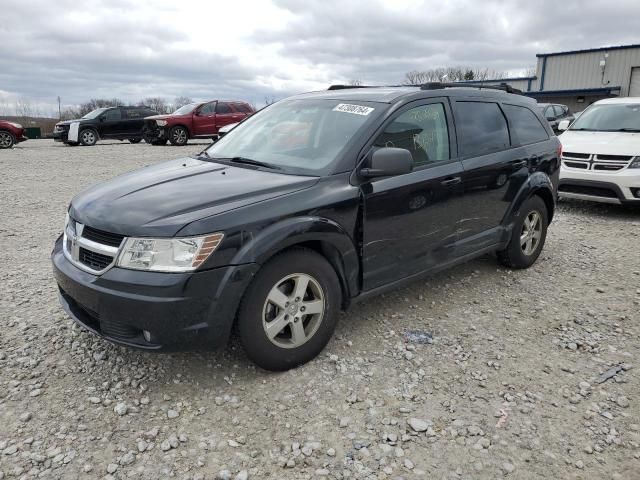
{"x": 356, "y": 109}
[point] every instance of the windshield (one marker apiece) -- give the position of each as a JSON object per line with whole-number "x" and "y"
{"x": 185, "y": 109}
{"x": 297, "y": 136}
{"x": 611, "y": 117}
{"x": 95, "y": 113}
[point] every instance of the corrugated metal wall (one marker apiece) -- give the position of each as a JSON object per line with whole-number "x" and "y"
{"x": 582, "y": 70}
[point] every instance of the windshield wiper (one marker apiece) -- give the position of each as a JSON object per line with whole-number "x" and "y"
{"x": 627, "y": 129}
{"x": 257, "y": 163}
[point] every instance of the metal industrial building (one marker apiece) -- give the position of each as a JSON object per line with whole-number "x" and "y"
{"x": 578, "y": 78}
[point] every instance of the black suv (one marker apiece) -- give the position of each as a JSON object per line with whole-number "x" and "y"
{"x": 313, "y": 203}
{"x": 117, "y": 123}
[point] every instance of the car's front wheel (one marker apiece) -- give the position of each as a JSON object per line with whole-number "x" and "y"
{"x": 290, "y": 310}
{"x": 178, "y": 136}
{"x": 88, "y": 137}
{"x": 7, "y": 140}
{"x": 528, "y": 235}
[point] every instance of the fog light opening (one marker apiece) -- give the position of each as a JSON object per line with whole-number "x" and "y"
{"x": 147, "y": 335}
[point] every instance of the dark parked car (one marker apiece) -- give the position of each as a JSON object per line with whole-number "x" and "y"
{"x": 11, "y": 133}
{"x": 313, "y": 203}
{"x": 111, "y": 123}
{"x": 195, "y": 120}
{"x": 554, "y": 113}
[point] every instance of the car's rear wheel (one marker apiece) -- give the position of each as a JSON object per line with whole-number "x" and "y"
{"x": 528, "y": 235}
{"x": 135, "y": 140}
{"x": 178, "y": 136}
{"x": 88, "y": 137}
{"x": 7, "y": 140}
{"x": 290, "y": 310}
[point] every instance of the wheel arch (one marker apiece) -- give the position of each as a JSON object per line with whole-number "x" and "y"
{"x": 321, "y": 235}
{"x": 537, "y": 184}
{"x": 89, "y": 127}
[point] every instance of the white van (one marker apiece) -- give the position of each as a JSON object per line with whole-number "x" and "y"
{"x": 601, "y": 153}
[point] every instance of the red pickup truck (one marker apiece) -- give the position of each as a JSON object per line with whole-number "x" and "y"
{"x": 195, "y": 120}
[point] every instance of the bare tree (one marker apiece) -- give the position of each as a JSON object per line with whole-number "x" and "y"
{"x": 158, "y": 104}
{"x": 269, "y": 100}
{"x": 450, "y": 74}
{"x": 181, "y": 102}
{"x": 23, "y": 108}
{"x": 355, "y": 83}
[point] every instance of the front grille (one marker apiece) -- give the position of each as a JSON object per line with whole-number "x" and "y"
{"x": 576, "y": 164}
{"x": 576, "y": 155}
{"x": 602, "y": 163}
{"x": 621, "y": 158}
{"x": 115, "y": 329}
{"x": 94, "y": 260}
{"x": 588, "y": 190}
{"x": 106, "y": 238}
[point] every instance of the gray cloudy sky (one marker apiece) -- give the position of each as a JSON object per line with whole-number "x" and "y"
{"x": 273, "y": 48}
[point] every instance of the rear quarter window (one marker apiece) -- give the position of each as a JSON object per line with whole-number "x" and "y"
{"x": 481, "y": 128}
{"x": 525, "y": 126}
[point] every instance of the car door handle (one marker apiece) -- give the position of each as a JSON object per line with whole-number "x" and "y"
{"x": 451, "y": 181}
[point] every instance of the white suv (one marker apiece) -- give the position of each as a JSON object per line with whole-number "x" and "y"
{"x": 601, "y": 153}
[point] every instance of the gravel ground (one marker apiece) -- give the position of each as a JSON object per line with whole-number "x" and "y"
{"x": 511, "y": 385}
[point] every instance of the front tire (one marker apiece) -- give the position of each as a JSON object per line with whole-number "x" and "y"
{"x": 7, "y": 140}
{"x": 290, "y": 310}
{"x": 88, "y": 137}
{"x": 528, "y": 235}
{"x": 178, "y": 136}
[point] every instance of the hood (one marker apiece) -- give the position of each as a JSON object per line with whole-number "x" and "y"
{"x": 602, "y": 143}
{"x": 69, "y": 122}
{"x": 165, "y": 116}
{"x": 161, "y": 199}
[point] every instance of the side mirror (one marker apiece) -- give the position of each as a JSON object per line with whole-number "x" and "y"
{"x": 563, "y": 125}
{"x": 389, "y": 161}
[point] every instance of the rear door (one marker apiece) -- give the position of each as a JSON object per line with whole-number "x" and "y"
{"x": 133, "y": 121}
{"x": 496, "y": 164}
{"x": 225, "y": 115}
{"x": 204, "y": 120}
{"x": 409, "y": 220}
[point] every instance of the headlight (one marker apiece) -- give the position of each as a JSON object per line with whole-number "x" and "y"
{"x": 635, "y": 162}
{"x": 17, "y": 125}
{"x": 161, "y": 123}
{"x": 168, "y": 254}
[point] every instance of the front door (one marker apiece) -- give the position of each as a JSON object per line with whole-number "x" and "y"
{"x": 410, "y": 220}
{"x": 204, "y": 120}
{"x": 110, "y": 123}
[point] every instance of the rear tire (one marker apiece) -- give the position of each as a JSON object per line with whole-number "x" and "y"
{"x": 528, "y": 235}
{"x": 290, "y": 310}
{"x": 135, "y": 140}
{"x": 178, "y": 136}
{"x": 7, "y": 140}
{"x": 88, "y": 137}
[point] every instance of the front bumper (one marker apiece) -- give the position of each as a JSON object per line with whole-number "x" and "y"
{"x": 619, "y": 187}
{"x": 152, "y": 132}
{"x": 181, "y": 311}
{"x": 60, "y": 136}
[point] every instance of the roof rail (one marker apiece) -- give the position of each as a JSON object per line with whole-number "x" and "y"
{"x": 505, "y": 87}
{"x": 502, "y": 86}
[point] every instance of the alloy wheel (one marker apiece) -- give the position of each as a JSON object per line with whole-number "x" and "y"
{"x": 180, "y": 135}
{"x": 88, "y": 137}
{"x": 293, "y": 310}
{"x": 531, "y": 233}
{"x": 5, "y": 140}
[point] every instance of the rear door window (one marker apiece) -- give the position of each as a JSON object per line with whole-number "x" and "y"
{"x": 134, "y": 114}
{"x": 223, "y": 108}
{"x": 525, "y": 126}
{"x": 481, "y": 127}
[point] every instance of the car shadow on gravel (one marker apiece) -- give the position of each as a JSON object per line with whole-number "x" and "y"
{"x": 594, "y": 209}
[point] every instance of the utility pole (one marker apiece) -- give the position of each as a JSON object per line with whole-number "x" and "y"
{"x": 59, "y": 109}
